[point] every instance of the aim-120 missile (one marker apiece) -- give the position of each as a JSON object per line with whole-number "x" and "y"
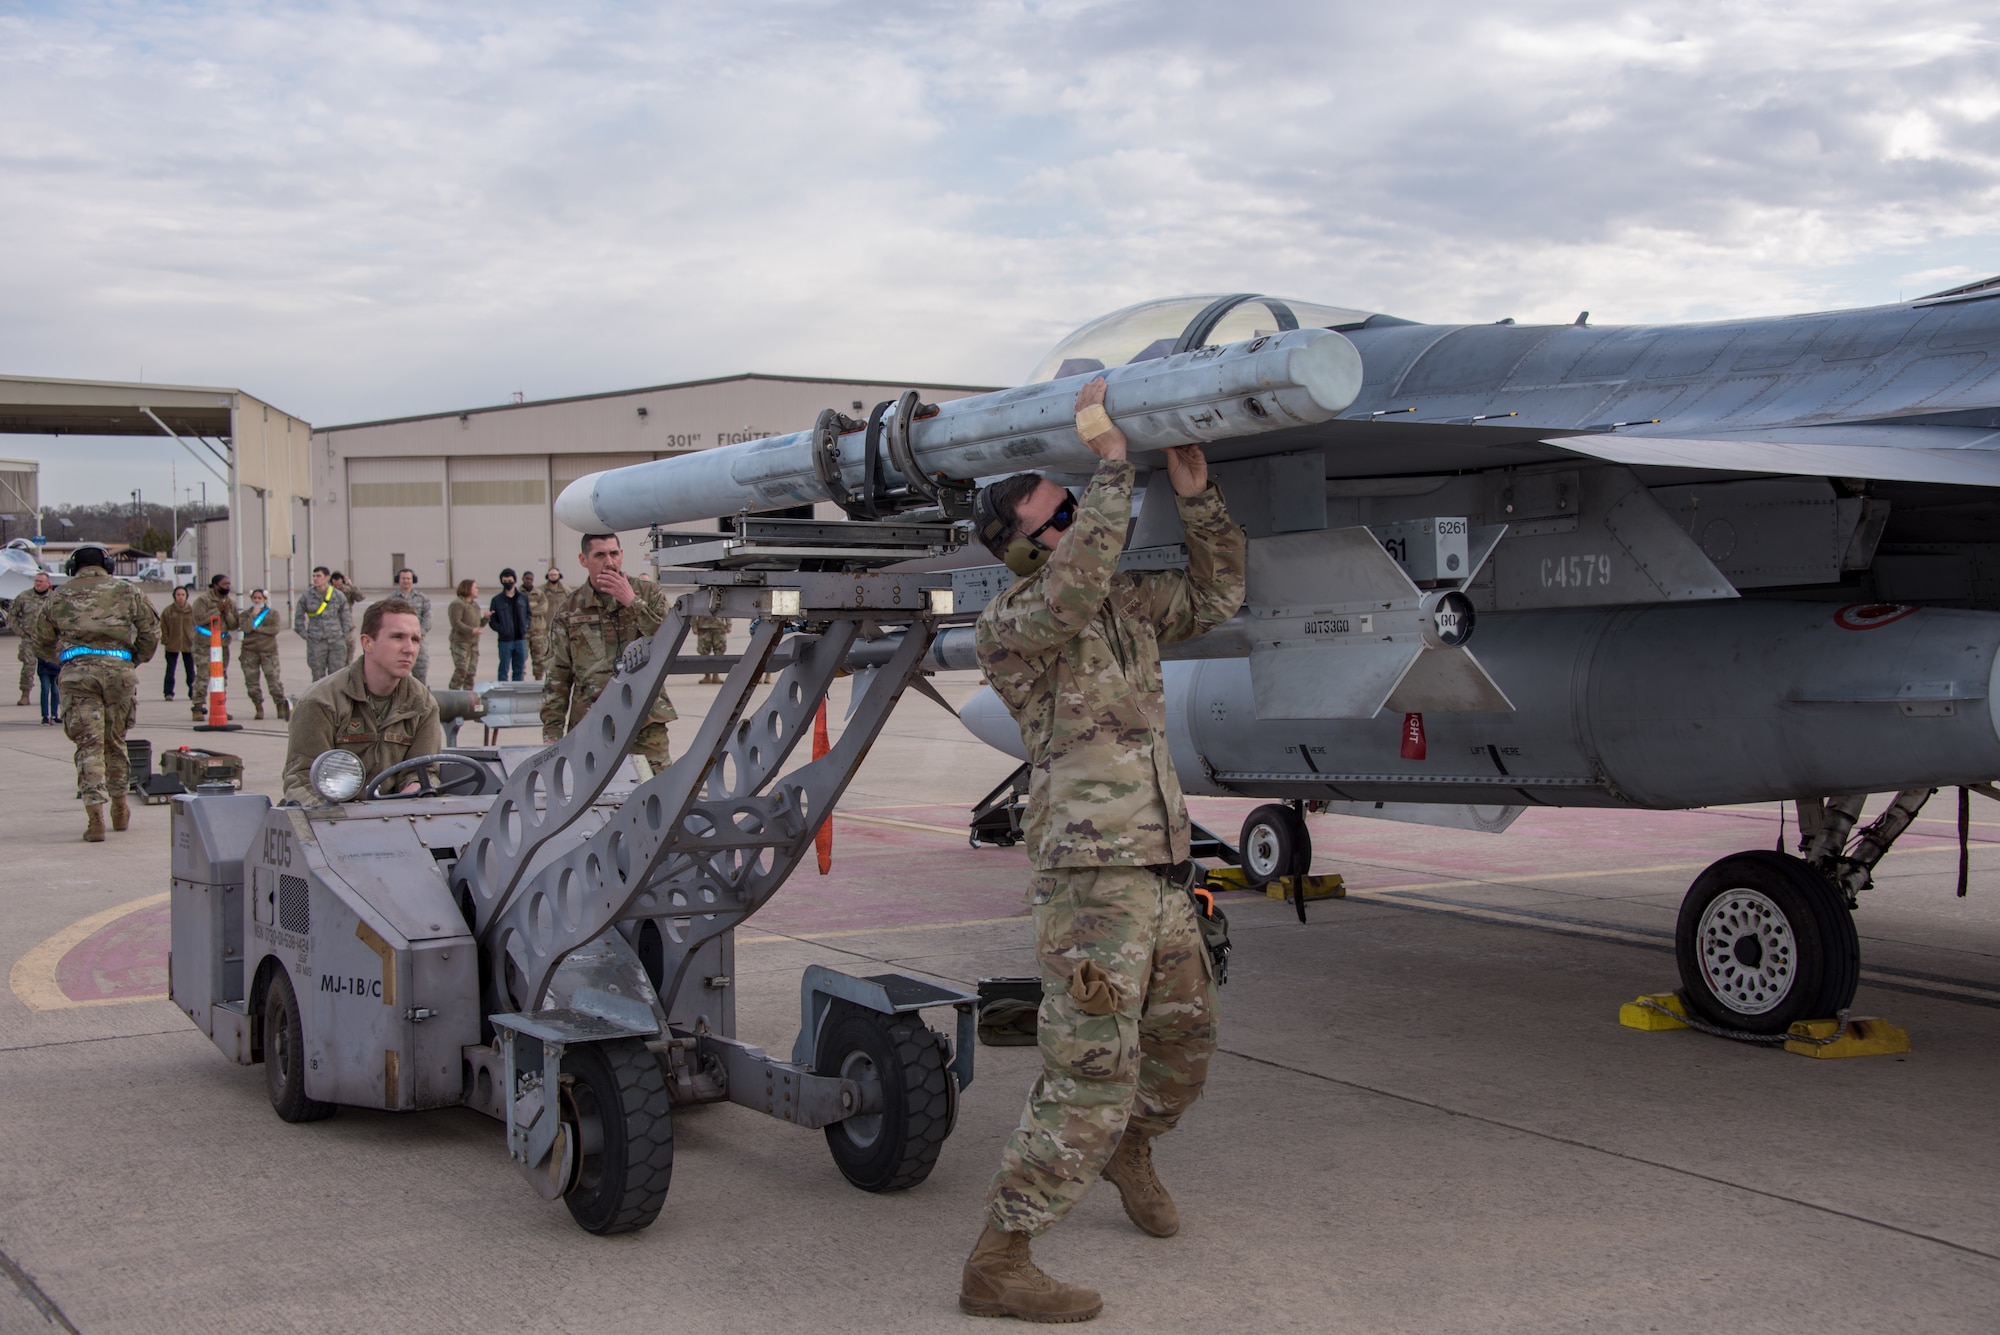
{"x": 1296, "y": 378}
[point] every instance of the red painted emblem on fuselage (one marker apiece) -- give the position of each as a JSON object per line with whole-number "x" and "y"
{"x": 1868, "y": 616}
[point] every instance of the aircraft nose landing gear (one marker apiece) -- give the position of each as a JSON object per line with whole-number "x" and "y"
{"x": 1765, "y": 940}
{"x": 1748, "y": 951}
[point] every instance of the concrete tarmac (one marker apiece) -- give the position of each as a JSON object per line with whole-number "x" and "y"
{"x": 1424, "y": 1116}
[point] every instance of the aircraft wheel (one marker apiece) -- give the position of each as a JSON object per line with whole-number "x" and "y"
{"x": 284, "y": 1055}
{"x": 1764, "y": 940}
{"x": 1274, "y": 844}
{"x": 614, "y": 1102}
{"x": 902, "y": 1058}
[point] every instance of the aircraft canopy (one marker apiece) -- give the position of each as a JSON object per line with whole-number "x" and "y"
{"x": 1180, "y": 324}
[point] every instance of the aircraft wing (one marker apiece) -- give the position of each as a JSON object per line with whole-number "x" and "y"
{"x": 1361, "y": 448}
{"x": 1968, "y": 456}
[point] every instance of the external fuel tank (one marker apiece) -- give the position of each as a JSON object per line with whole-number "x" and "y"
{"x": 1667, "y": 706}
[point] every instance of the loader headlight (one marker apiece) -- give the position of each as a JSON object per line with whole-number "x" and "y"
{"x": 337, "y": 776}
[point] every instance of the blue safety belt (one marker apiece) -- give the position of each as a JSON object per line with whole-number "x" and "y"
{"x": 81, "y": 652}
{"x": 258, "y": 620}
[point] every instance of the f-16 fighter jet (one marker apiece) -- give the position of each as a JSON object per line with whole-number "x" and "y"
{"x": 1498, "y": 566}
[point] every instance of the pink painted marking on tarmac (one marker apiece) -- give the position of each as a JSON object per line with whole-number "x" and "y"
{"x": 885, "y": 877}
{"x": 126, "y": 958}
{"x": 882, "y": 878}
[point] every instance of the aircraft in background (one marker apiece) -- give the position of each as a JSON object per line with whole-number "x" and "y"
{"x": 19, "y": 564}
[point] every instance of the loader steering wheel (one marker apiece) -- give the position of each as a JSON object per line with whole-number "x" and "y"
{"x": 459, "y": 775}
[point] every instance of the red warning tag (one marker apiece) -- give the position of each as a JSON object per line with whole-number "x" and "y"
{"x": 1413, "y": 736}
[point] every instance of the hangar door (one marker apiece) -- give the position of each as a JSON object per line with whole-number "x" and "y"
{"x": 499, "y": 517}
{"x": 567, "y": 468}
{"x": 396, "y": 511}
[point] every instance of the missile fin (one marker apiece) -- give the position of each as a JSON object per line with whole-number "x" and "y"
{"x": 1448, "y": 681}
{"x": 1324, "y": 682}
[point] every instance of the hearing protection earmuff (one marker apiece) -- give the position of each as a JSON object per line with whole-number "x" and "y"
{"x": 1021, "y": 555}
{"x": 87, "y": 555}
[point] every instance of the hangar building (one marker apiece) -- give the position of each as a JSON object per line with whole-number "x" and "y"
{"x": 461, "y": 494}
{"x": 255, "y": 452}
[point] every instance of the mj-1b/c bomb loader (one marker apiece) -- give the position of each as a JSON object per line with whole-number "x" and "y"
{"x": 546, "y": 935}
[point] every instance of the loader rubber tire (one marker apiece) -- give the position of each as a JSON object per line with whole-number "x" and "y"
{"x": 625, "y": 1167}
{"x": 896, "y": 1148}
{"x": 284, "y": 1055}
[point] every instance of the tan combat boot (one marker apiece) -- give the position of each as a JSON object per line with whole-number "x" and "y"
{"x": 285, "y": 707}
{"x": 121, "y": 814}
{"x": 1001, "y": 1279}
{"x": 93, "y": 823}
{"x": 1146, "y": 1201}
{"x": 260, "y": 708}
{"x": 24, "y": 697}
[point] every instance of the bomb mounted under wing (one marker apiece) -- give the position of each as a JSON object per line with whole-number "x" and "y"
{"x": 1752, "y": 560}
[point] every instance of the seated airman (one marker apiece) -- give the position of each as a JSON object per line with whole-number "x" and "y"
{"x": 372, "y": 707}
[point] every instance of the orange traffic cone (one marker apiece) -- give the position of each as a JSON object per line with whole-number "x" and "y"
{"x": 824, "y": 839}
{"x": 218, "y": 685}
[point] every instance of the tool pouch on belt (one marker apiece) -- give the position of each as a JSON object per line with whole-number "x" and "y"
{"x": 1214, "y": 924}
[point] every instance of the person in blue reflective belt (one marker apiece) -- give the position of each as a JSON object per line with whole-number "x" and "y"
{"x": 99, "y": 629}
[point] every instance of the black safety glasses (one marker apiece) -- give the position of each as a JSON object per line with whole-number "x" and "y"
{"x": 1060, "y": 521}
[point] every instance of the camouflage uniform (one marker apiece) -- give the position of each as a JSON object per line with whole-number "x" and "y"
{"x": 586, "y": 636}
{"x": 339, "y": 713}
{"x": 420, "y": 600}
{"x": 321, "y": 619}
{"x": 466, "y": 619}
{"x": 542, "y": 604}
{"x": 260, "y": 660}
{"x": 207, "y": 606}
{"x": 21, "y": 616}
{"x": 711, "y": 637}
{"x": 353, "y": 595}
{"x": 1128, "y": 1014}
{"x": 96, "y": 612}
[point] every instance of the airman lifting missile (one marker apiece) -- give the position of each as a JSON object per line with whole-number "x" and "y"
{"x": 907, "y": 451}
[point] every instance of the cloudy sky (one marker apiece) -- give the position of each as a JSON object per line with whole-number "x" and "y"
{"x": 357, "y": 211}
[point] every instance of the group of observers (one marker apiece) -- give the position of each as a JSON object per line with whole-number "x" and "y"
{"x": 518, "y": 615}
{"x": 571, "y": 641}
{"x": 187, "y": 626}
{"x": 379, "y": 709}
{"x": 326, "y": 618}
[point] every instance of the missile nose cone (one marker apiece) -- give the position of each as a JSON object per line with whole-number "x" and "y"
{"x": 577, "y": 506}
{"x": 1329, "y": 369}
{"x": 988, "y": 720}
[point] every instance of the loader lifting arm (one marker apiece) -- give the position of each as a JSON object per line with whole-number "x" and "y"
{"x": 693, "y": 851}
{"x": 705, "y": 843}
